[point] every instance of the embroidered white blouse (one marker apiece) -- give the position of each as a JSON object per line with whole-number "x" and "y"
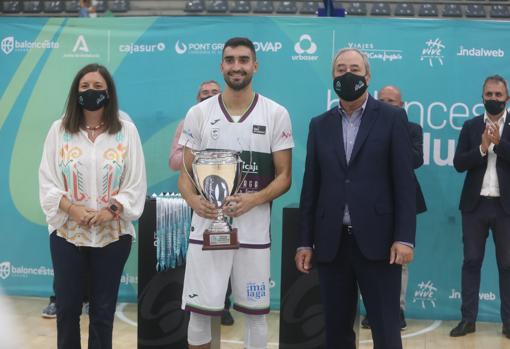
{"x": 90, "y": 174}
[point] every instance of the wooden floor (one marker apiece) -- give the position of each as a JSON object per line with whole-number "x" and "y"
{"x": 39, "y": 333}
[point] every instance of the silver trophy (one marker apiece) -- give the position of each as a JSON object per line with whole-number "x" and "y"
{"x": 217, "y": 174}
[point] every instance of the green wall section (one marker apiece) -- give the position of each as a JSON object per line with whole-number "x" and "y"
{"x": 158, "y": 64}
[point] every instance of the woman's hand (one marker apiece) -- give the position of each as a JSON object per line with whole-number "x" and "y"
{"x": 81, "y": 214}
{"x": 102, "y": 216}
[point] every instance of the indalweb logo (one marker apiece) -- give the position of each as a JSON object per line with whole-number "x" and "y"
{"x": 305, "y": 49}
{"x": 480, "y": 52}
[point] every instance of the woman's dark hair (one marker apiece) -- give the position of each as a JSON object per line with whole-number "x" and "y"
{"x": 73, "y": 116}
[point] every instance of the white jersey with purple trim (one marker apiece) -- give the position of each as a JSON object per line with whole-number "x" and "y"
{"x": 263, "y": 129}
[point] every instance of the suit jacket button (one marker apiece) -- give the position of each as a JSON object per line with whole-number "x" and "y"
{"x": 347, "y": 181}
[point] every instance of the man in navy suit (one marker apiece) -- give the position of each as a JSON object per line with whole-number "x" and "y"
{"x": 358, "y": 215}
{"x": 393, "y": 96}
{"x": 483, "y": 151}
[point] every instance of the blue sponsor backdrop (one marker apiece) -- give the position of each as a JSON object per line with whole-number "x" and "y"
{"x": 158, "y": 64}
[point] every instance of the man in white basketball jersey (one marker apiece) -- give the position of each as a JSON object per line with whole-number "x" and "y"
{"x": 240, "y": 120}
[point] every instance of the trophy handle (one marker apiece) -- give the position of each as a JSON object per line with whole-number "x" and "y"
{"x": 187, "y": 172}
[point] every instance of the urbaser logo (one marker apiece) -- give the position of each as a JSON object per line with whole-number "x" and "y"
{"x": 305, "y": 49}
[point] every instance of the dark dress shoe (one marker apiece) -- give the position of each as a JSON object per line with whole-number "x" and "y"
{"x": 403, "y": 323}
{"x": 463, "y": 328}
{"x": 506, "y": 330}
{"x": 365, "y": 324}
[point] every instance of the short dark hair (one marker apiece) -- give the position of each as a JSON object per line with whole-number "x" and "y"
{"x": 235, "y": 42}
{"x": 73, "y": 116}
{"x": 495, "y": 78}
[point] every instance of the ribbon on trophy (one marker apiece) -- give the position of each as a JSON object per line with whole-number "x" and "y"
{"x": 173, "y": 222}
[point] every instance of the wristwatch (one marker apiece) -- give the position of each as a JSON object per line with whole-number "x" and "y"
{"x": 114, "y": 209}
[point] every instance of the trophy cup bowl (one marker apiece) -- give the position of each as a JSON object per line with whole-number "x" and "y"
{"x": 217, "y": 174}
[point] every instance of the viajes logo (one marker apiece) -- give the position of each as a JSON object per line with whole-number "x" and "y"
{"x": 81, "y": 49}
{"x": 133, "y": 48}
{"x": 372, "y": 52}
{"x": 9, "y": 44}
{"x": 425, "y": 294}
{"x": 433, "y": 52}
{"x": 305, "y": 49}
{"x": 480, "y": 52}
{"x": 7, "y": 269}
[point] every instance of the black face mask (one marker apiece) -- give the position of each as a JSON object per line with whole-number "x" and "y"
{"x": 92, "y": 100}
{"x": 349, "y": 86}
{"x": 204, "y": 98}
{"x": 494, "y": 107}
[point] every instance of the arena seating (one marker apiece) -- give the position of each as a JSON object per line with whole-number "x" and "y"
{"x": 478, "y": 9}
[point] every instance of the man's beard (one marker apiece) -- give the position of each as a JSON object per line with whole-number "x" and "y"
{"x": 238, "y": 86}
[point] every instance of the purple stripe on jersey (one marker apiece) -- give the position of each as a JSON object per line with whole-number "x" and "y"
{"x": 255, "y": 246}
{"x": 203, "y": 311}
{"x": 249, "y": 311}
{"x": 246, "y": 113}
{"x": 250, "y": 109}
{"x": 222, "y": 107}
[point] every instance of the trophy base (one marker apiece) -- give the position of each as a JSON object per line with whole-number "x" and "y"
{"x": 214, "y": 240}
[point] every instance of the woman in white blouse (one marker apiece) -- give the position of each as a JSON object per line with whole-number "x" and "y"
{"x": 92, "y": 184}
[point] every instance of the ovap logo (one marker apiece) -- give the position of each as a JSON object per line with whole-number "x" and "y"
{"x": 5, "y": 270}
{"x": 267, "y": 46}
